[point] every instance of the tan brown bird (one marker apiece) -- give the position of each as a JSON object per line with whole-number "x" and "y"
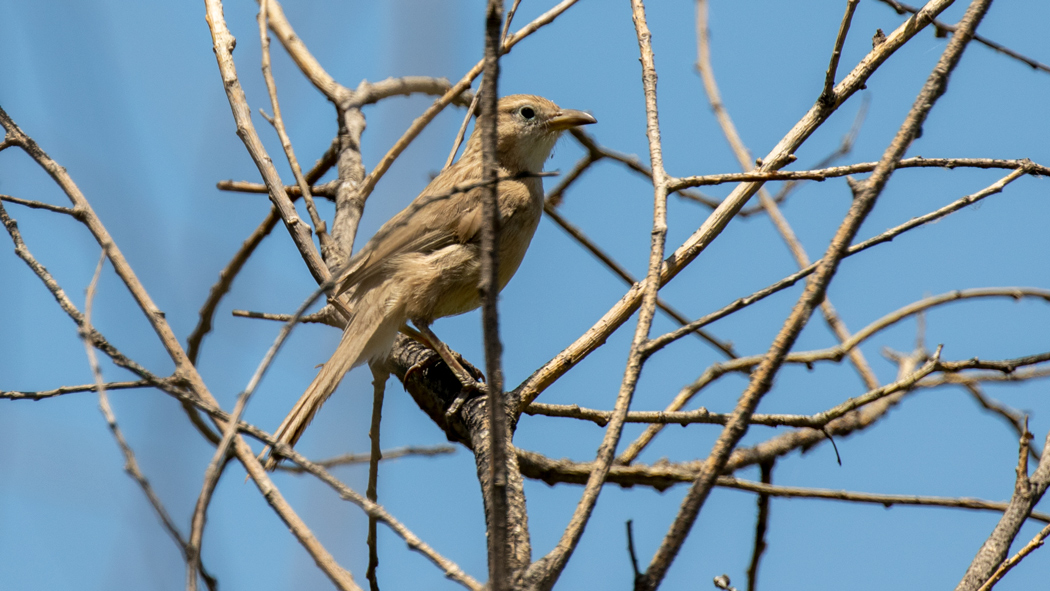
{"x": 425, "y": 262}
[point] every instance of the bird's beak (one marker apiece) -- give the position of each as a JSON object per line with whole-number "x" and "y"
{"x": 567, "y": 118}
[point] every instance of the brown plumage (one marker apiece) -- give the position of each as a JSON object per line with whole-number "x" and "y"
{"x": 425, "y": 262}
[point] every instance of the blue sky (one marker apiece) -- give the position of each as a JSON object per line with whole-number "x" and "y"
{"x": 127, "y": 97}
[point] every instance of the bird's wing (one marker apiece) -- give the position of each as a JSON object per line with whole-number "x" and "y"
{"x": 440, "y": 216}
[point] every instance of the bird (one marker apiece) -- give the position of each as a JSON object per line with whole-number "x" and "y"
{"x": 425, "y": 262}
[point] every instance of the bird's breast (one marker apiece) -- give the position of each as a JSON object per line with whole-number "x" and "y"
{"x": 445, "y": 282}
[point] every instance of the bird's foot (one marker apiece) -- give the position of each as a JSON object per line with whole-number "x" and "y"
{"x": 472, "y": 381}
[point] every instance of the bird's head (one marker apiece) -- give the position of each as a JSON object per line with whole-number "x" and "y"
{"x": 527, "y": 128}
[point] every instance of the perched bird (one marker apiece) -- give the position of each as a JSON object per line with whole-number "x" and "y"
{"x": 425, "y": 262}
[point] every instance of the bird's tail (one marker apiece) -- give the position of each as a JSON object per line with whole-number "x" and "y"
{"x": 369, "y": 333}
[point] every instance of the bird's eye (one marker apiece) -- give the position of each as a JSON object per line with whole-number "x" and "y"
{"x": 527, "y": 112}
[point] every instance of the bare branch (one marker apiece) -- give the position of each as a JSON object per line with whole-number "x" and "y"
{"x": 985, "y": 569}
{"x": 840, "y": 40}
{"x": 1008, "y": 564}
{"x": 379, "y": 377}
{"x": 39, "y": 205}
{"x": 790, "y": 280}
{"x": 823, "y": 174}
{"x": 761, "y": 524}
{"x": 385, "y": 456}
{"x": 131, "y": 465}
{"x": 40, "y": 395}
{"x": 1013, "y": 417}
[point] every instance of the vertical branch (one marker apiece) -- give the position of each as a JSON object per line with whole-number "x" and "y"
{"x": 379, "y": 377}
{"x": 816, "y": 287}
{"x": 761, "y": 525}
{"x": 499, "y": 554}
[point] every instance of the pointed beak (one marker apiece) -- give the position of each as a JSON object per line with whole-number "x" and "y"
{"x": 567, "y": 118}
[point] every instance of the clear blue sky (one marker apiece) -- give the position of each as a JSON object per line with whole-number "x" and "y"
{"x": 127, "y": 96}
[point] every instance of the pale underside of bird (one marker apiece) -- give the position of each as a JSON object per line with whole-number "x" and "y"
{"x": 425, "y": 262}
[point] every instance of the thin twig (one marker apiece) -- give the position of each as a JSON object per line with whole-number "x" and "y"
{"x": 379, "y": 377}
{"x": 286, "y": 142}
{"x": 761, "y": 525}
{"x": 471, "y": 110}
{"x": 39, "y": 205}
{"x": 225, "y": 282}
{"x": 844, "y": 148}
{"x": 218, "y": 462}
{"x": 840, "y": 40}
{"x": 809, "y": 357}
{"x": 131, "y": 465}
{"x": 1013, "y": 417}
{"x": 97, "y": 340}
{"x": 1008, "y": 564}
{"x": 385, "y": 456}
{"x": 822, "y": 174}
{"x": 886, "y": 500}
{"x": 474, "y": 103}
{"x": 663, "y": 475}
{"x": 886, "y": 236}
{"x": 703, "y": 416}
{"x": 597, "y": 152}
{"x": 40, "y": 395}
{"x": 326, "y": 190}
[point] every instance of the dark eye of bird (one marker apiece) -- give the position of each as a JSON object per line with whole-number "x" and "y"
{"x": 527, "y": 112}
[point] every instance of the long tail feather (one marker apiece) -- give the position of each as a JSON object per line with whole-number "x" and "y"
{"x": 369, "y": 333}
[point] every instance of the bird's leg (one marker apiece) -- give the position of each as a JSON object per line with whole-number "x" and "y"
{"x": 414, "y": 334}
{"x": 426, "y": 336}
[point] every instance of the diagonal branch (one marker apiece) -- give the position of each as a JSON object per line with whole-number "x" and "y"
{"x": 1028, "y": 490}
